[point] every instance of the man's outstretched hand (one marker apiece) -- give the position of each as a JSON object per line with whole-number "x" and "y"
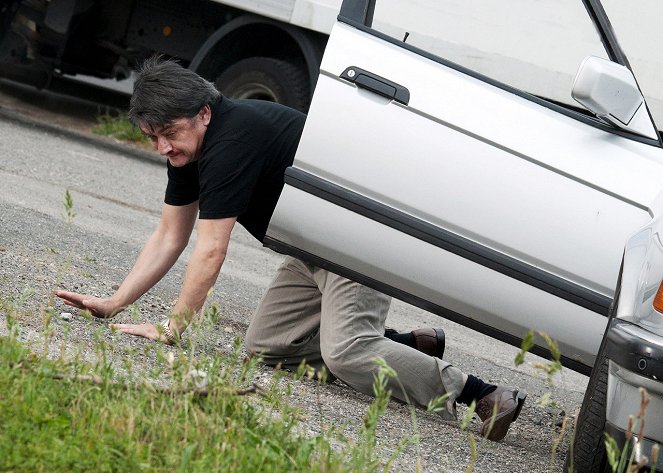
{"x": 149, "y": 331}
{"x": 105, "y": 308}
{"x": 98, "y": 307}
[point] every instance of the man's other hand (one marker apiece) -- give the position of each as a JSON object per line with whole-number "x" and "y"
{"x": 103, "y": 308}
{"x": 149, "y": 331}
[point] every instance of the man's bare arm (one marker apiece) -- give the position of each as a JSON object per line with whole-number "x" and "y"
{"x": 202, "y": 271}
{"x": 159, "y": 254}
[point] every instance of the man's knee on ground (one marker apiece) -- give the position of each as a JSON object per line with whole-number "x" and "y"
{"x": 352, "y": 362}
{"x": 273, "y": 347}
{"x": 253, "y": 344}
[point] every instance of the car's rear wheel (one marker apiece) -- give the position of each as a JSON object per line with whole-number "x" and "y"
{"x": 587, "y": 453}
{"x": 266, "y": 78}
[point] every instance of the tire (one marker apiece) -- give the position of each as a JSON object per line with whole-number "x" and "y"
{"x": 587, "y": 453}
{"x": 266, "y": 78}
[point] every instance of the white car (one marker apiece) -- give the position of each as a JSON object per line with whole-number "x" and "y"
{"x": 498, "y": 163}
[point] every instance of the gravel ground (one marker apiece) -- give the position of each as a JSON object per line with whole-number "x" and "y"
{"x": 117, "y": 200}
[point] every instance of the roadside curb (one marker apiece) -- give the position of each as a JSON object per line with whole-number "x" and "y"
{"x": 94, "y": 140}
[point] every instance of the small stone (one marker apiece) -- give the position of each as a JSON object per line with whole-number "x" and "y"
{"x": 66, "y": 316}
{"x": 198, "y": 377}
{"x": 170, "y": 358}
{"x": 228, "y": 330}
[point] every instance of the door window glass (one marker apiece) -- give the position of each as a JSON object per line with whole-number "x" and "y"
{"x": 533, "y": 45}
{"x": 638, "y": 30}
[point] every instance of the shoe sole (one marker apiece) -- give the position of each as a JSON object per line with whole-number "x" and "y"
{"x": 500, "y": 424}
{"x": 520, "y": 397}
{"x": 441, "y": 342}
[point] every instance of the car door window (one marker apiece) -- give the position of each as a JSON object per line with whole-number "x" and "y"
{"x": 533, "y": 46}
{"x": 638, "y": 30}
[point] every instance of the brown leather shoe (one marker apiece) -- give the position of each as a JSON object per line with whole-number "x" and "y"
{"x": 498, "y": 409}
{"x": 429, "y": 341}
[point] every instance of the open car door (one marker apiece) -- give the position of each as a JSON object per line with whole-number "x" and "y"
{"x": 445, "y": 162}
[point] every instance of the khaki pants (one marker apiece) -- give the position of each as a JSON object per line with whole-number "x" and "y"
{"x": 311, "y": 314}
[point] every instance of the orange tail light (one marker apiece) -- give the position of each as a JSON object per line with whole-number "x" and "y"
{"x": 658, "y": 299}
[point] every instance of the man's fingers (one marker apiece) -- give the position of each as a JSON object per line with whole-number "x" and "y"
{"x": 97, "y": 307}
{"x": 147, "y": 331}
{"x": 71, "y": 298}
{"x": 126, "y": 328}
{"x": 83, "y": 305}
{"x": 79, "y": 305}
{"x": 68, "y": 295}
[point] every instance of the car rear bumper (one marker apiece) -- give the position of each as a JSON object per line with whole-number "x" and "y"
{"x": 636, "y": 360}
{"x": 641, "y": 449}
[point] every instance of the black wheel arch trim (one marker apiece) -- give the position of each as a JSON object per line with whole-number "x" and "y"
{"x": 312, "y": 54}
{"x": 448, "y": 241}
{"x": 285, "y": 248}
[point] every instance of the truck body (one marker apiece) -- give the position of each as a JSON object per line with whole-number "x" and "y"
{"x": 251, "y": 49}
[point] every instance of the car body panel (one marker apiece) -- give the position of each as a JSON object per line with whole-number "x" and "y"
{"x": 455, "y": 175}
{"x": 439, "y": 277}
{"x": 503, "y": 173}
{"x": 482, "y": 203}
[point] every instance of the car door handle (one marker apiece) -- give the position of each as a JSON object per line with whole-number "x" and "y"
{"x": 376, "y": 84}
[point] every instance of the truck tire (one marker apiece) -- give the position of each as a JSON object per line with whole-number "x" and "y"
{"x": 266, "y": 78}
{"x": 587, "y": 455}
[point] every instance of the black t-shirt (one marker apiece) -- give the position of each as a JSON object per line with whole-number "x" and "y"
{"x": 246, "y": 149}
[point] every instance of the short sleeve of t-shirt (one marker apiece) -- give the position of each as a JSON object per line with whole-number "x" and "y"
{"x": 228, "y": 174}
{"x": 182, "y": 188}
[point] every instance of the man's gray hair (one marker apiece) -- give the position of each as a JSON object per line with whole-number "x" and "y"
{"x": 164, "y": 91}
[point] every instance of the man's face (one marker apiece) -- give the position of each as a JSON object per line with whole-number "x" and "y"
{"x": 181, "y": 140}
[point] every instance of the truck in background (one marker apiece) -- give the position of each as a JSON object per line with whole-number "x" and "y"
{"x": 264, "y": 49}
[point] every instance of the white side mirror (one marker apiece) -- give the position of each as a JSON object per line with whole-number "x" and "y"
{"x": 610, "y": 91}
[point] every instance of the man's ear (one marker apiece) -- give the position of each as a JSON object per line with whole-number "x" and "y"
{"x": 206, "y": 114}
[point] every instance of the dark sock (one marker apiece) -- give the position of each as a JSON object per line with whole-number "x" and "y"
{"x": 474, "y": 390}
{"x": 404, "y": 338}
{"x": 390, "y": 332}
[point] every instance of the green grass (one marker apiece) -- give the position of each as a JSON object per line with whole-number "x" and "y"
{"x": 127, "y": 410}
{"x": 71, "y": 415}
{"x": 69, "y": 213}
{"x": 120, "y": 128}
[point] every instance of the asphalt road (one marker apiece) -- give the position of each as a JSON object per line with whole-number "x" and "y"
{"x": 117, "y": 196}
